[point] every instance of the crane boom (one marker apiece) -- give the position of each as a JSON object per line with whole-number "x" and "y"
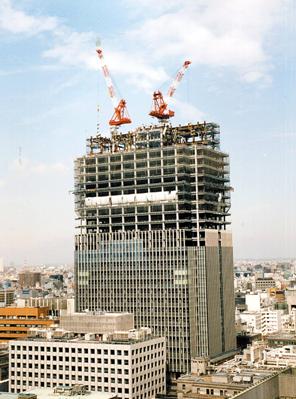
{"x": 120, "y": 115}
{"x": 160, "y": 108}
{"x": 178, "y": 78}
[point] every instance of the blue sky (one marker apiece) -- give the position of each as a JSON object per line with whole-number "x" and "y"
{"x": 242, "y": 76}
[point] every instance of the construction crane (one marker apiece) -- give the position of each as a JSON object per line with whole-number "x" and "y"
{"x": 160, "y": 108}
{"x": 120, "y": 115}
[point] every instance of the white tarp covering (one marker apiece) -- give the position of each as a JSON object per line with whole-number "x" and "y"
{"x": 132, "y": 198}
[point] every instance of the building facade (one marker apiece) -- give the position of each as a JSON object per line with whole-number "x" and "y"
{"x": 6, "y": 297}
{"x": 152, "y": 209}
{"x": 263, "y": 283}
{"x": 15, "y": 322}
{"x": 129, "y": 368}
{"x": 271, "y": 321}
{"x": 100, "y": 323}
{"x": 29, "y": 279}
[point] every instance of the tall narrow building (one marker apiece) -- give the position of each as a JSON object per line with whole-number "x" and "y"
{"x": 152, "y": 208}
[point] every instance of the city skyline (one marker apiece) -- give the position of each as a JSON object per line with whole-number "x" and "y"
{"x": 51, "y": 85}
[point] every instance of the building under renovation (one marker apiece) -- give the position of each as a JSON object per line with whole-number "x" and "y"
{"x": 152, "y": 239}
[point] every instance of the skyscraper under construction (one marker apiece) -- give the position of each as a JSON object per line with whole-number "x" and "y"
{"x": 152, "y": 207}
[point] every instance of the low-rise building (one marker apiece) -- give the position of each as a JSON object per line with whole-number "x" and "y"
{"x": 228, "y": 380}
{"x": 6, "y": 296}
{"x": 281, "y": 339}
{"x": 240, "y": 378}
{"x": 271, "y": 321}
{"x": 263, "y": 283}
{"x": 29, "y": 279}
{"x": 130, "y": 364}
{"x": 251, "y": 320}
{"x": 15, "y": 321}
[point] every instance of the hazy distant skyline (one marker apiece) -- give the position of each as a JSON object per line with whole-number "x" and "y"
{"x": 242, "y": 76}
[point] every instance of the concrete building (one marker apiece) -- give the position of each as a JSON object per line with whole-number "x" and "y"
{"x": 252, "y": 321}
{"x": 55, "y": 304}
{"x": 264, "y": 383}
{"x": 130, "y": 364}
{"x": 263, "y": 283}
{"x": 291, "y": 299}
{"x": 29, "y": 279}
{"x": 280, "y": 339}
{"x": 271, "y": 321}
{"x": 6, "y": 296}
{"x": 15, "y": 322}
{"x": 244, "y": 377}
{"x": 152, "y": 209}
{"x": 253, "y": 302}
{"x": 97, "y": 322}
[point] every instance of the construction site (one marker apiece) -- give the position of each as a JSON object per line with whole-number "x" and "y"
{"x": 153, "y": 177}
{"x": 152, "y": 208}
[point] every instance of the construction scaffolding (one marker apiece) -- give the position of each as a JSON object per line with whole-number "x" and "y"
{"x": 155, "y": 177}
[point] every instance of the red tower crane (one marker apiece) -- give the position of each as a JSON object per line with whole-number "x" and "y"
{"x": 120, "y": 115}
{"x": 160, "y": 108}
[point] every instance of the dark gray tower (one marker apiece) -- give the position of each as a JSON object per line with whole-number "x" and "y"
{"x": 152, "y": 209}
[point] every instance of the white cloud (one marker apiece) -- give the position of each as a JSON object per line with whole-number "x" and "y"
{"x": 228, "y": 34}
{"x": 220, "y": 34}
{"x": 17, "y": 21}
{"x": 78, "y": 49}
{"x": 73, "y": 48}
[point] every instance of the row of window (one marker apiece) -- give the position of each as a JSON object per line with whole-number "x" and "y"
{"x": 73, "y": 359}
{"x": 86, "y": 368}
{"x": 63, "y": 349}
{"x": 108, "y": 352}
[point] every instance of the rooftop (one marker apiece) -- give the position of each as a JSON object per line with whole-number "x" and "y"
{"x": 116, "y": 337}
{"x": 152, "y": 136}
{"x": 58, "y": 393}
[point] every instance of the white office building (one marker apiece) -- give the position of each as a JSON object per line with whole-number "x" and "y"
{"x": 252, "y": 321}
{"x": 128, "y": 364}
{"x": 271, "y": 321}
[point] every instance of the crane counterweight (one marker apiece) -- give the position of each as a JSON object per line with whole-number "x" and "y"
{"x": 160, "y": 108}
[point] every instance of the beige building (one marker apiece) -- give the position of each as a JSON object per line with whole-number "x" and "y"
{"x": 29, "y": 279}
{"x": 255, "y": 375}
{"x": 97, "y": 322}
{"x": 264, "y": 283}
